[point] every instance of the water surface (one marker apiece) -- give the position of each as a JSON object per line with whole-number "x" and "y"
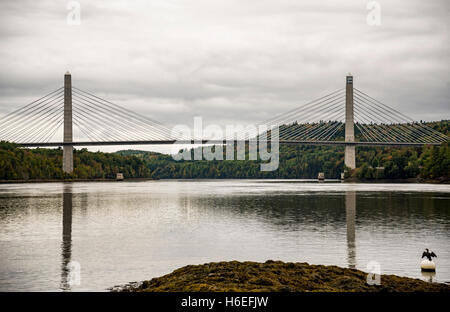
{"x": 120, "y": 232}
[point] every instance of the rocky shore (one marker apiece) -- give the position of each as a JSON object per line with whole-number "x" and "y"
{"x": 275, "y": 276}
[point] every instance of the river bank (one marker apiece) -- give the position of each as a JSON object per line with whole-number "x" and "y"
{"x": 275, "y": 276}
{"x": 74, "y": 180}
{"x": 442, "y": 180}
{"x": 347, "y": 180}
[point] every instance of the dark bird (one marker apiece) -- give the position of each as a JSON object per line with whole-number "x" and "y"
{"x": 428, "y": 254}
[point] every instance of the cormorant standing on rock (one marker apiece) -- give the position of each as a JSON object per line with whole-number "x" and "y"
{"x": 428, "y": 254}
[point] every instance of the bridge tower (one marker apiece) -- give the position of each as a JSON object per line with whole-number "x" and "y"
{"x": 68, "y": 126}
{"x": 349, "y": 158}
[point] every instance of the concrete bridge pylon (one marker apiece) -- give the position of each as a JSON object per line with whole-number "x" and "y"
{"x": 68, "y": 125}
{"x": 349, "y": 158}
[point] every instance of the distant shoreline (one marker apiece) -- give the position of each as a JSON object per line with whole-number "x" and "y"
{"x": 74, "y": 180}
{"x": 348, "y": 180}
{"x": 410, "y": 180}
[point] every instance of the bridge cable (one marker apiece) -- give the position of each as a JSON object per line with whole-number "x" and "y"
{"x": 424, "y": 128}
{"x": 120, "y": 120}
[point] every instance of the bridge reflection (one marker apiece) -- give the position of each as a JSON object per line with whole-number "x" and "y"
{"x": 313, "y": 215}
{"x": 350, "y": 215}
{"x": 66, "y": 244}
{"x": 277, "y": 216}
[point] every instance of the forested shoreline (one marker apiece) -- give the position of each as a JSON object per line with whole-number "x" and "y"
{"x": 296, "y": 162}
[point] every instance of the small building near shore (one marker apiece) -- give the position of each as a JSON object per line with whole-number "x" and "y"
{"x": 119, "y": 176}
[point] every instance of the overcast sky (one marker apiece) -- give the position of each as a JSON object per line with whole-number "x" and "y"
{"x": 229, "y": 61}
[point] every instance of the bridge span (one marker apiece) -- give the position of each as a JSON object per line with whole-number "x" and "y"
{"x": 333, "y": 119}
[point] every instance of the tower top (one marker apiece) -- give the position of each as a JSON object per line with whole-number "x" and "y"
{"x": 67, "y": 73}
{"x": 349, "y": 79}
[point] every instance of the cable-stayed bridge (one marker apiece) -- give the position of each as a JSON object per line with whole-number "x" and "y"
{"x": 347, "y": 117}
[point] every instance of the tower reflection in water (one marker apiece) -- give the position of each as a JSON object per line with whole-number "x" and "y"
{"x": 66, "y": 245}
{"x": 350, "y": 215}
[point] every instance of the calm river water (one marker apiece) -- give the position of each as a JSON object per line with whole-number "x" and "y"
{"x": 119, "y": 232}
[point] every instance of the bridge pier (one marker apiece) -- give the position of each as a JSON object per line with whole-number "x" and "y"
{"x": 349, "y": 158}
{"x": 68, "y": 126}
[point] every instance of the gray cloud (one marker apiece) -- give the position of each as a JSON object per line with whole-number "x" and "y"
{"x": 229, "y": 61}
